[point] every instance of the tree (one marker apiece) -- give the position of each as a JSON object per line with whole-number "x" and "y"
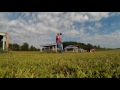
{"x": 14, "y": 47}
{"x": 88, "y": 47}
{"x": 25, "y": 47}
{"x": 98, "y": 47}
{"x": 32, "y": 48}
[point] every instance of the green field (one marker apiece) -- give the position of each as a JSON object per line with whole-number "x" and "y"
{"x": 99, "y": 64}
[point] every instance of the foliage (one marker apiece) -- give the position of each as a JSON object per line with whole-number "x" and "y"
{"x": 81, "y": 45}
{"x": 24, "y": 47}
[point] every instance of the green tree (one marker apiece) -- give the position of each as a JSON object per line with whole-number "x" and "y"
{"x": 32, "y": 48}
{"x": 25, "y": 47}
{"x": 14, "y": 47}
{"x": 98, "y": 47}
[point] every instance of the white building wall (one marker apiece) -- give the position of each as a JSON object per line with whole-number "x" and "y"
{"x": 4, "y": 39}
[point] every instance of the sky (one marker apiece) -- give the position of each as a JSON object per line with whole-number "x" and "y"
{"x": 38, "y": 28}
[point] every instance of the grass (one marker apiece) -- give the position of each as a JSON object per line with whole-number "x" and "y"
{"x": 101, "y": 64}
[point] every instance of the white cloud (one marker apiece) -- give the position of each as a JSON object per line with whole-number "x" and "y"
{"x": 108, "y": 40}
{"x": 95, "y": 27}
{"x": 114, "y": 13}
{"x": 96, "y": 16}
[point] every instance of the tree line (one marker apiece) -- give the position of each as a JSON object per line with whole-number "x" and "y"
{"x": 24, "y": 47}
{"x": 27, "y": 47}
{"x": 82, "y": 45}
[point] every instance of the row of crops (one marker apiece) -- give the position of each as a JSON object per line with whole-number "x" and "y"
{"x": 101, "y": 64}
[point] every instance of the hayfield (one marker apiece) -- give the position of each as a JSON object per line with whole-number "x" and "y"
{"x": 99, "y": 64}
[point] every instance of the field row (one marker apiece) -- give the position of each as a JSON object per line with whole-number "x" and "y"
{"x": 102, "y": 64}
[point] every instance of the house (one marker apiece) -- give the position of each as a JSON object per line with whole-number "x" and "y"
{"x": 4, "y": 41}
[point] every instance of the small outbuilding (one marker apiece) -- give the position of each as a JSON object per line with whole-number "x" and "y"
{"x": 73, "y": 47}
{"x": 49, "y": 47}
{"x": 4, "y": 41}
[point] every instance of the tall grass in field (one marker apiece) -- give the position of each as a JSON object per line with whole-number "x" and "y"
{"x": 102, "y": 64}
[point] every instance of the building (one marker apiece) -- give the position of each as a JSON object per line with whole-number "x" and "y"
{"x": 49, "y": 47}
{"x": 92, "y": 50}
{"x": 73, "y": 47}
{"x": 4, "y": 41}
{"x": 82, "y": 50}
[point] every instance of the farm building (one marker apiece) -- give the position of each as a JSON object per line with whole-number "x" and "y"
{"x": 82, "y": 50}
{"x": 73, "y": 47}
{"x": 4, "y": 41}
{"x": 54, "y": 48}
{"x": 49, "y": 47}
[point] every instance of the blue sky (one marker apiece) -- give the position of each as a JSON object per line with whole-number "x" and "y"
{"x": 36, "y": 28}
